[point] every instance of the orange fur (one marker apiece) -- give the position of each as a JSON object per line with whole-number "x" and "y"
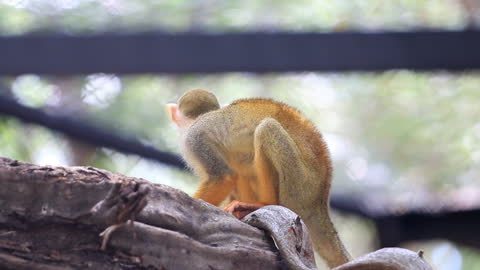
{"x": 215, "y": 192}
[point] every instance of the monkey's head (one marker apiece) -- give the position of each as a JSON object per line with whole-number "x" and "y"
{"x": 191, "y": 105}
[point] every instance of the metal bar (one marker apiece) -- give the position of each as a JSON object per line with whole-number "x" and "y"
{"x": 244, "y": 52}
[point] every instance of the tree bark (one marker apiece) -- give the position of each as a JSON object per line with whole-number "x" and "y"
{"x": 51, "y": 217}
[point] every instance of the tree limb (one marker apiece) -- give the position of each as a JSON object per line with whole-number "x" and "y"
{"x": 50, "y": 218}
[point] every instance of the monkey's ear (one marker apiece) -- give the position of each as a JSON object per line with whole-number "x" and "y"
{"x": 173, "y": 113}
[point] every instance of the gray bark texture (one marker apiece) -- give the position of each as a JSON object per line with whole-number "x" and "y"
{"x": 51, "y": 218}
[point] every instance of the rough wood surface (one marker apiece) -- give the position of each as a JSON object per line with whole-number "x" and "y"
{"x": 51, "y": 217}
{"x": 289, "y": 233}
{"x": 388, "y": 259}
{"x": 48, "y": 220}
{"x": 293, "y": 242}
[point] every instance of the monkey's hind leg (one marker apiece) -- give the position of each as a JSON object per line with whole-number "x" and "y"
{"x": 277, "y": 164}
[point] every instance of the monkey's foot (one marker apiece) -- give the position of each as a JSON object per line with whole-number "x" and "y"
{"x": 241, "y": 209}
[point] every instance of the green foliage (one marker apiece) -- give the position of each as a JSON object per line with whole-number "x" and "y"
{"x": 84, "y": 16}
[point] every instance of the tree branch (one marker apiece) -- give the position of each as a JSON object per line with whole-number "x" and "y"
{"x": 50, "y": 218}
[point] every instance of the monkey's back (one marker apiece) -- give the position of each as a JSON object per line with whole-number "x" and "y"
{"x": 244, "y": 115}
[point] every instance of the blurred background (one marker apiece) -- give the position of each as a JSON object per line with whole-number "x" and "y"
{"x": 402, "y": 140}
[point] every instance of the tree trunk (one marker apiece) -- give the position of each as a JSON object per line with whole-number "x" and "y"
{"x": 48, "y": 221}
{"x": 51, "y": 217}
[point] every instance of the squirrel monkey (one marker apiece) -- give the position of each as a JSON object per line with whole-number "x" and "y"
{"x": 260, "y": 152}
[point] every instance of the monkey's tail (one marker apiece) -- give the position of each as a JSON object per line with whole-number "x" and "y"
{"x": 325, "y": 239}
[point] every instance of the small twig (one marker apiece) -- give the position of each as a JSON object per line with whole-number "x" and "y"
{"x": 123, "y": 203}
{"x": 7, "y": 233}
{"x": 107, "y": 233}
{"x": 98, "y": 171}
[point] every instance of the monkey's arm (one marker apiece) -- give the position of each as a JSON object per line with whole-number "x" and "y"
{"x": 240, "y": 209}
{"x": 205, "y": 157}
{"x": 215, "y": 191}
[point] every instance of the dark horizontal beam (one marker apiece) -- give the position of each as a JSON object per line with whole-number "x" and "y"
{"x": 454, "y": 226}
{"x": 83, "y": 131}
{"x": 393, "y": 229}
{"x": 250, "y": 52}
